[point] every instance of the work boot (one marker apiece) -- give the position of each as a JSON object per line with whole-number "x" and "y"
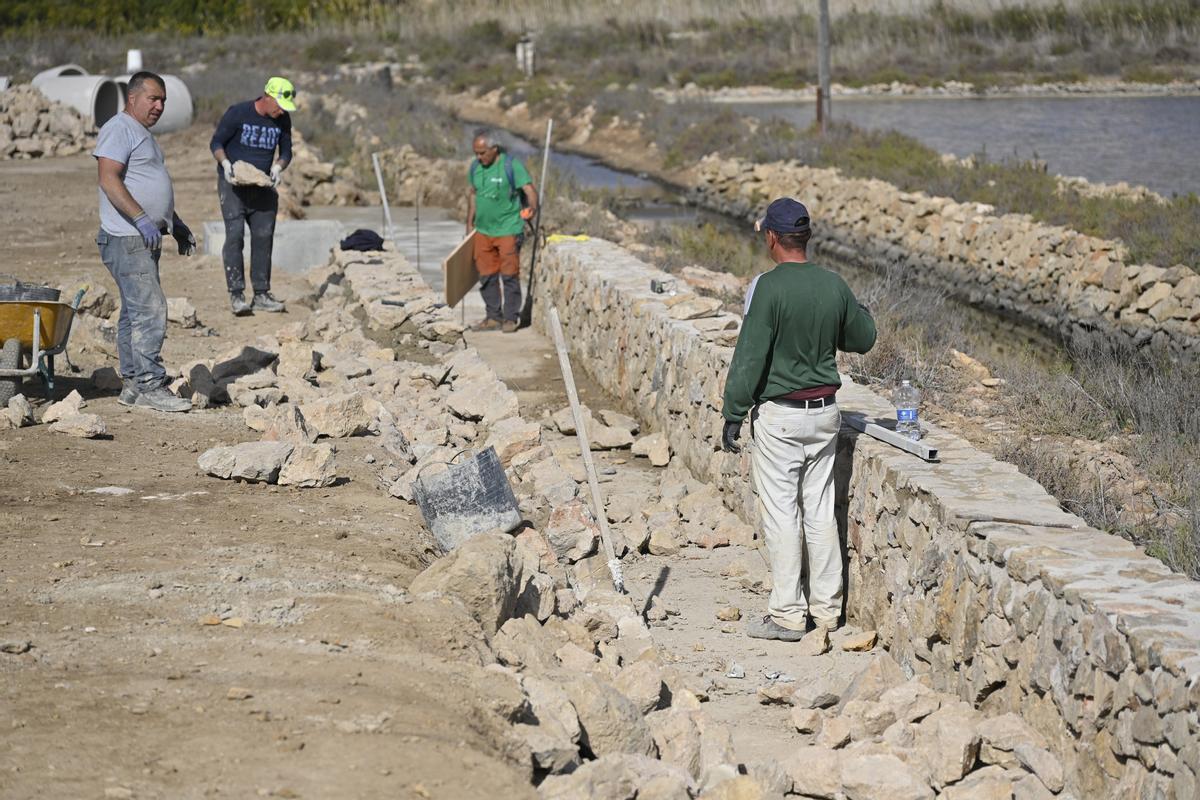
{"x": 263, "y": 301}
{"x": 509, "y": 326}
{"x": 238, "y": 301}
{"x": 487, "y": 325}
{"x": 129, "y": 393}
{"x": 767, "y": 628}
{"x": 161, "y": 399}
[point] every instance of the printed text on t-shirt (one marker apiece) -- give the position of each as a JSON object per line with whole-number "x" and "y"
{"x": 261, "y": 136}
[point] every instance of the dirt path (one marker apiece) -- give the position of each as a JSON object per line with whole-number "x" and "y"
{"x": 124, "y": 693}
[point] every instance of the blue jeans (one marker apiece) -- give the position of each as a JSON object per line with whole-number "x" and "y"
{"x": 142, "y": 325}
{"x": 255, "y": 206}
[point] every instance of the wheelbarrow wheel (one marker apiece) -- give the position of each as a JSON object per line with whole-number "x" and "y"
{"x": 10, "y": 358}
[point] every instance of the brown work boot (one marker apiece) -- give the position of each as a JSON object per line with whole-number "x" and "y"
{"x": 487, "y": 325}
{"x": 509, "y": 326}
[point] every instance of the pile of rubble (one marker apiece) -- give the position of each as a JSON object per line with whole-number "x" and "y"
{"x": 33, "y": 126}
{"x": 878, "y": 734}
{"x": 309, "y": 181}
{"x": 65, "y": 416}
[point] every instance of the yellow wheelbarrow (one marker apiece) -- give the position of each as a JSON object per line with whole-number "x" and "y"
{"x": 33, "y": 331}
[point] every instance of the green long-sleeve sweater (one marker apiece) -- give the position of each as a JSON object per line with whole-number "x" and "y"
{"x": 799, "y": 317}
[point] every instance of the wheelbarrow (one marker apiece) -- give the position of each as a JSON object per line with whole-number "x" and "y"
{"x": 33, "y": 330}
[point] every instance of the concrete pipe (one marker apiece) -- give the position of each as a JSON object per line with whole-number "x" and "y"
{"x": 62, "y": 70}
{"x": 96, "y": 97}
{"x": 178, "y": 111}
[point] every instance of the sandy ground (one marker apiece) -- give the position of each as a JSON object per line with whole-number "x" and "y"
{"x": 113, "y": 551}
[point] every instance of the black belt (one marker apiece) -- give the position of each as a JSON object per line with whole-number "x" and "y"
{"x": 819, "y": 402}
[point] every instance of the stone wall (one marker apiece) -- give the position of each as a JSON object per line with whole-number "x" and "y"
{"x": 971, "y": 572}
{"x": 1064, "y": 281}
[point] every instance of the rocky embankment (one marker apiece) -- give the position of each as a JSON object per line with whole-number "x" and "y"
{"x": 1062, "y": 280}
{"x": 33, "y": 126}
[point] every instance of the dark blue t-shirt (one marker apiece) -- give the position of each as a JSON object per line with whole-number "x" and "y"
{"x": 246, "y": 135}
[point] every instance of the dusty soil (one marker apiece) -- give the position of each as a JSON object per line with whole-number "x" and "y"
{"x": 124, "y": 692}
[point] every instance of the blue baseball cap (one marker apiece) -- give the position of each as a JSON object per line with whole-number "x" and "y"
{"x": 784, "y": 215}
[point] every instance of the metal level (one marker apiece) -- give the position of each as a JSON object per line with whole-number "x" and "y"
{"x": 919, "y": 449}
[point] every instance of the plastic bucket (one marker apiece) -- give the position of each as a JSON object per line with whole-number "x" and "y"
{"x": 468, "y": 498}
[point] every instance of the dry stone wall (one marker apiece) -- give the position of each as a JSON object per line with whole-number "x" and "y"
{"x": 1079, "y": 286}
{"x": 970, "y": 571}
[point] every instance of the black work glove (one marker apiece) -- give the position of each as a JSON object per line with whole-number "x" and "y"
{"x": 183, "y": 238}
{"x": 729, "y": 437}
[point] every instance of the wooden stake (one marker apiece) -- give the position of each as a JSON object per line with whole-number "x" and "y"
{"x": 585, "y": 450}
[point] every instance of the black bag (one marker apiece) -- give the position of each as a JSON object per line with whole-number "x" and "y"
{"x": 364, "y": 240}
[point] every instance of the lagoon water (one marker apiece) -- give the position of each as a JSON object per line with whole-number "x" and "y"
{"x": 1152, "y": 141}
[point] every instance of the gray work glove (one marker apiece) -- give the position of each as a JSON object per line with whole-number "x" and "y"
{"x": 227, "y": 168}
{"x": 151, "y": 235}
{"x": 184, "y": 238}
{"x": 276, "y": 170}
{"x": 729, "y": 437}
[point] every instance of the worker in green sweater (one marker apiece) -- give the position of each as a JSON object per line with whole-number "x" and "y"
{"x": 784, "y": 375}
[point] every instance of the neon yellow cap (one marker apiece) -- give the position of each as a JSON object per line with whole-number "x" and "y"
{"x": 283, "y": 92}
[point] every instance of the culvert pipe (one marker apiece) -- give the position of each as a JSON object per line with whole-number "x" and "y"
{"x": 61, "y": 71}
{"x": 178, "y": 111}
{"x": 96, "y": 97}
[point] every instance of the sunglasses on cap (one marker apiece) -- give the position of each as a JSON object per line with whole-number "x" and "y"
{"x": 285, "y": 94}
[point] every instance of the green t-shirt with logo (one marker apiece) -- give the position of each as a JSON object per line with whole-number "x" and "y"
{"x": 497, "y": 206}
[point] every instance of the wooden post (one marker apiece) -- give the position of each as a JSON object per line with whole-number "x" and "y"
{"x": 823, "y": 89}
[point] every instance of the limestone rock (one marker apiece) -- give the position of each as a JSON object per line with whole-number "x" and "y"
{"x": 246, "y": 361}
{"x": 71, "y": 404}
{"x": 181, "y": 312}
{"x": 641, "y": 682}
{"x": 859, "y": 642}
{"x": 911, "y": 701}
{"x": 806, "y": 720}
{"x": 617, "y": 776}
{"x": 947, "y": 741}
{"x": 246, "y": 174}
{"x": 309, "y": 466}
{"x": 513, "y": 436}
{"x": 662, "y": 543}
{"x": 870, "y": 776}
{"x": 655, "y": 447}
{"x": 999, "y": 737}
{"x": 485, "y": 573}
{"x": 695, "y": 308}
{"x": 255, "y": 462}
{"x": 876, "y": 678}
{"x": 610, "y": 722}
{"x": 338, "y": 416}
{"x": 85, "y": 426}
{"x": 814, "y": 643}
{"x": 572, "y": 531}
{"x": 288, "y": 425}
{"x": 1042, "y": 763}
{"x": 298, "y": 360}
{"x": 482, "y": 400}
{"x": 257, "y": 418}
{"x": 19, "y": 411}
{"x": 989, "y": 783}
{"x": 677, "y": 737}
{"x": 815, "y": 772}
{"x": 615, "y": 419}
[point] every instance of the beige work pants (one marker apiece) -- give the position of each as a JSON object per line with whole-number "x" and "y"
{"x": 792, "y": 463}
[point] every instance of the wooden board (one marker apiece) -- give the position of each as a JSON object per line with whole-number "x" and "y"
{"x": 458, "y": 271}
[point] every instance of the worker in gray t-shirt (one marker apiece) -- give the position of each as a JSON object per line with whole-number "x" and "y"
{"x": 137, "y": 206}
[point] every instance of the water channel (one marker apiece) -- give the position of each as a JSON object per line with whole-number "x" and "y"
{"x": 648, "y": 203}
{"x": 1149, "y": 141}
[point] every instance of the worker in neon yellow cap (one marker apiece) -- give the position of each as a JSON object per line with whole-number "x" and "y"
{"x": 253, "y": 132}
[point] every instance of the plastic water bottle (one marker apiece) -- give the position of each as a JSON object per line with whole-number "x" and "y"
{"x": 908, "y": 403}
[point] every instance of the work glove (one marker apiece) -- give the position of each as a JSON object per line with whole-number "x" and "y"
{"x": 527, "y": 213}
{"x": 227, "y": 168}
{"x": 729, "y": 437}
{"x": 276, "y": 170}
{"x": 184, "y": 238}
{"x": 151, "y": 235}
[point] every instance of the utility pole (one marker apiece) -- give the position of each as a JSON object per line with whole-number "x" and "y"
{"x": 823, "y": 82}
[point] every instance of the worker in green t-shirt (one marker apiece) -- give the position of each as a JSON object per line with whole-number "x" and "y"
{"x": 497, "y": 184}
{"x": 784, "y": 375}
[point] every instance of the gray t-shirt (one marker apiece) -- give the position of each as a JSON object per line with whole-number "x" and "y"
{"x": 126, "y": 140}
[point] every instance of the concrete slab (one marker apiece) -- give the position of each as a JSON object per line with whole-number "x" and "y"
{"x": 300, "y": 244}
